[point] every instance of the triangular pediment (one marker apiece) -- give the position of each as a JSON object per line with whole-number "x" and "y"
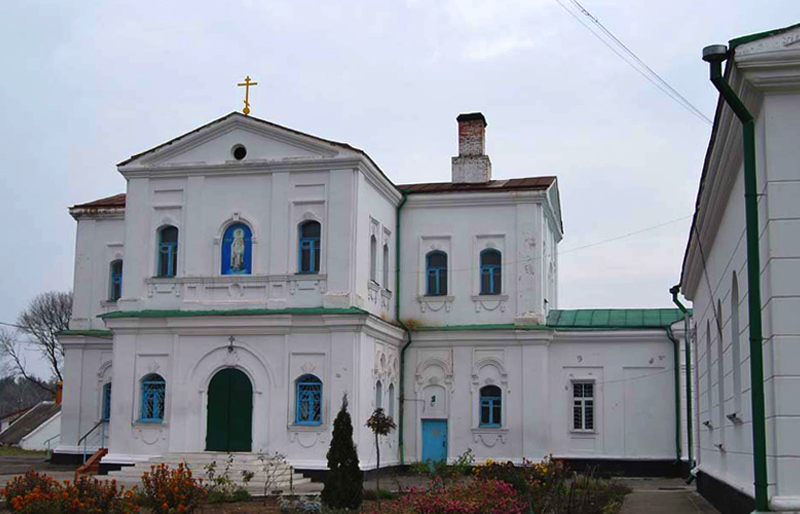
{"x": 214, "y": 144}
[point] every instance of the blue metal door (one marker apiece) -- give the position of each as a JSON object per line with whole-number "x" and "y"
{"x": 434, "y": 439}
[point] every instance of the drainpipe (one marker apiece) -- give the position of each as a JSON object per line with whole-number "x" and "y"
{"x": 715, "y": 55}
{"x": 401, "y": 437}
{"x": 687, "y": 355}
{"x": 677, "y": 365}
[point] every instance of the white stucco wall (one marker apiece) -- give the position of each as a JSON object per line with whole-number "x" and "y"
{"x": 726, "y": 442}
{"x": 520, "y": 226}
{"x": 633, "y": 373}
{"x": 99, "y": 241}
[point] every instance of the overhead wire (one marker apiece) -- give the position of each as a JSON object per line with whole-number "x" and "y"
{"x": 638, "y": 64}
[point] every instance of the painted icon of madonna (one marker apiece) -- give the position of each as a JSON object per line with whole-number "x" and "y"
{"x": 237, "y": 250}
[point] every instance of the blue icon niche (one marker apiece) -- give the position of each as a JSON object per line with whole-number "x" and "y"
{"x": 237, "y": 250}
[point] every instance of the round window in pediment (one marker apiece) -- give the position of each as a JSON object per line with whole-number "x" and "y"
{"x": 239, "y": 152}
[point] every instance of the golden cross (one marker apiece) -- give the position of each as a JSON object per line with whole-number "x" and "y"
{"x": 247, "y": 83}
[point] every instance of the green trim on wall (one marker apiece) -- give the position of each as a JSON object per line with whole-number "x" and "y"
{"x": 106, "y": 334}
{"x": 175, "y": 313}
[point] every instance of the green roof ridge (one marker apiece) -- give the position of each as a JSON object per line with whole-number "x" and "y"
{"x": 741, "y": 40}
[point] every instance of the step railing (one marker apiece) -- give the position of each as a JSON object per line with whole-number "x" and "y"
{"x": 85, "y": 439}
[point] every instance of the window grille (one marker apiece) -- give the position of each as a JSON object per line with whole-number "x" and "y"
{"x": 153, "y": 392}
{"x": 436, "y": 267}
{"x": 106, "y": 413}
{"x": 308, "y": 409}
{"x": 116, "y": 281}
{"x": 491, "y": 406}
{"x": 168, "y": 252}
{"x": 583, "y": 405}
{"x": 309, "y": 251}
{"x": 491, "y": 269}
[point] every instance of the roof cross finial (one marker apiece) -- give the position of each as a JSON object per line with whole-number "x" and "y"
{"x": 247, "y": 83}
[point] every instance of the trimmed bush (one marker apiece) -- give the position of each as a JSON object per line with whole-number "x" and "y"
{"x": 344, "y": 482}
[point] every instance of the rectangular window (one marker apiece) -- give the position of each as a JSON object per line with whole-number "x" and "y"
{"x": 583, "y": 406}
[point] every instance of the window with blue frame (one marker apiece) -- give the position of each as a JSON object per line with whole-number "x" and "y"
{"x": 308, "y": 400}
{"x": 491, "y": 272}
{"x": 115, "y": 281}
{"x": 309, "y": 247}
{"x": 237, "y": 250}
{"x": 168, "y": 252}
{"x": 491, "y": 406}
{"x": 106, "y": 413}
{"x": 154, "y": 389}
{"x": 436, "y": 270}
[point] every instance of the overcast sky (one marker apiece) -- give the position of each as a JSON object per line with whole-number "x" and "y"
{"x": 87, "y": 84}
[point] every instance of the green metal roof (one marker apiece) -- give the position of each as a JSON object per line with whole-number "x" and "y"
{"x": 175, "y": 313}
{"x": 105, "y": 334}
{"x": 741, "y": 40}
{"x": 612, "y": 318}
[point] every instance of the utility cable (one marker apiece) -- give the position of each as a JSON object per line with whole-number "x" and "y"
{"x": 638, "y": 65}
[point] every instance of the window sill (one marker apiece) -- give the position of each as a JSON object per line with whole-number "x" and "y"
{"x": 435, "y": 298}
{"x": 489, "y": 430}
{"x": 307, "y": 428}
{"x": 490, "y": 297}
{"x": 146, "y": 423}
{"x": 106, "y": 304}
{"x": 373, "y": 286}
{"x": 585, "y": 433}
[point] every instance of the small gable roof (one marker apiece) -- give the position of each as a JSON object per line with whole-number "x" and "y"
{"x": 29, "y": 422}
{"x": 236, "y": 114}
{"x": 116, "y": 201}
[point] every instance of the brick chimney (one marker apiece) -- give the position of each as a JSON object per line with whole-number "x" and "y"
{"x": 472, "y": 163}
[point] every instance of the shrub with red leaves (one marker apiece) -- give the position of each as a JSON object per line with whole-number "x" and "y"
{"x": 476, "y": 497}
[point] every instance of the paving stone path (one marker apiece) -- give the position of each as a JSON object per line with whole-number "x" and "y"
{"x": 664, "y": 496}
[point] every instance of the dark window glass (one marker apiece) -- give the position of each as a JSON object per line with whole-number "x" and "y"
{"x": 436, "y": 264}
{"x": 491, "y": 272}
{"x": 309, "y": 251}
{"x": 491, "y": 406}
{"x": 168, "y": 252}
{"x": 115, "y": 292}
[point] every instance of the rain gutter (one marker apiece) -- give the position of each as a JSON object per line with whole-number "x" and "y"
{"x": 688, "y": 354}
{"x": 715, "y": 55}
{"x": 401, "y": 418}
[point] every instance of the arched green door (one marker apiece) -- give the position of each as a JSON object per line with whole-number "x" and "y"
{"x": 230, "y": 412}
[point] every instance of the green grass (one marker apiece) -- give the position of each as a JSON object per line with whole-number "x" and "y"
{"x": 13, "y": 450}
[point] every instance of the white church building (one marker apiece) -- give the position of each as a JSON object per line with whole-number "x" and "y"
{"x": 252, "y": 275}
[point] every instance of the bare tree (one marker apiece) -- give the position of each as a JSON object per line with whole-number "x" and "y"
{"x": 13, "y": 352}
{"x": 46, "y": 316}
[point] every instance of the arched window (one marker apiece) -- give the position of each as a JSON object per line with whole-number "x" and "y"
{"x": 391, "y": 400}
{"x": 373, "y": 259}
{"x": 378, "y": 395}
{"x": 491, "y": 406}
{"x": 308, "y": 401}
{"x": 115, "y": 281}
{"x": 168, "y": 251}
{"x": 154, "y": 389}
{"x": 436, "y": 268}
{"x": 386, "y": 266}
{"x": 105, "y": 413}
{"x": 491, "y": 272}
{"x": 308, "y": 251}
{"x": 735, "y": 350}
{"x": 237, "y": 250}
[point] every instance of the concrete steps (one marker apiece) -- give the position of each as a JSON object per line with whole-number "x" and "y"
{"x": 282, "y": 476}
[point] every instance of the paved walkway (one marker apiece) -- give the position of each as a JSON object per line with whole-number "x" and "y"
{"x": 664, "y": 496}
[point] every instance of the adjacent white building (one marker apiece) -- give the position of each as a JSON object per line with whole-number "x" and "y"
{"x": 252, "y": 275}
{"x": 764, "y": 71}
